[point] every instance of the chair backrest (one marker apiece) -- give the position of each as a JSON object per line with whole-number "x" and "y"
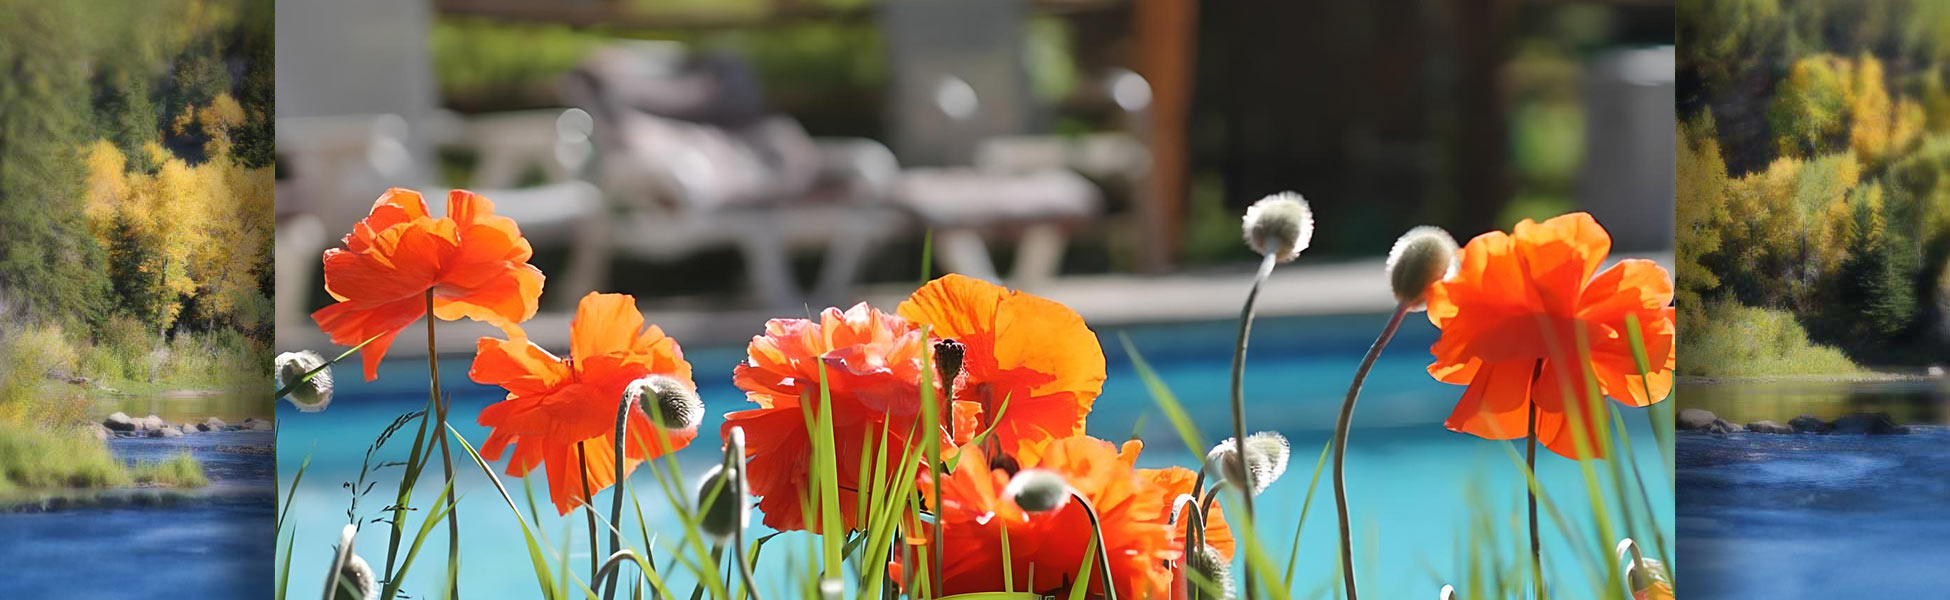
{"x": 957, "y": 77}
{"x": 359, "y": 57}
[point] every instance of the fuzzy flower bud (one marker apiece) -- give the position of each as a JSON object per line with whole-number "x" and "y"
{"x": 1420, "y": 258}
{"x": 1266, "y": 456}
{"x": 1038, "y": 490}
{"x": 1214, "y": 572}
{"x": 677, "y": 405}
{"x": 723, "y": 500}
{"x": 722, "y": 494}
{"x": 1280, "y": 224}
{"x": 314, "y": 394}
{"x": 356, "y": 581}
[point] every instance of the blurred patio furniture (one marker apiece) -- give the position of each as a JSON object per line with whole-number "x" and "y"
{"x": 960, "y": 103}
{"x": 688, "y": 146}
{"x": 365, "y": 117}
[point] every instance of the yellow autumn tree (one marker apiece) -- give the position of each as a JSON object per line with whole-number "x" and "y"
{"x": 1870, "y": 110}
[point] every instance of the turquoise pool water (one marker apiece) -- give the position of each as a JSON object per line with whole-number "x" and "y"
{"x": 1406, "y": 475}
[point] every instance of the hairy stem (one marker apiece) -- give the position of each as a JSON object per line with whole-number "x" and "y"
{"x": 616, "y": 496}
{"x": 1239, "y": 397}
{"x": 446, "y": 457}
{"x": 1341, "y": 427}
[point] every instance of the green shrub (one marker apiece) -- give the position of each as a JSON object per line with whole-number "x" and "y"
{"x": 1744, "y": 341}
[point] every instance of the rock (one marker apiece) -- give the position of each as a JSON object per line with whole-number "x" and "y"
{"x": 1722, "y": 426}
{"x": 1693, "y": 419}
{"x": 119, "y": 422}
{"x": 256, "y": 424}
{"x": 1809, "y": 424}
{"x": 1876, "y": 423}
{"x": 96, "y": 430}
{"x": 169, "y": 432}
{"x": 1768, "y": 427}
{"x": 213, "y": 424}
{"x": 153, "y": 422}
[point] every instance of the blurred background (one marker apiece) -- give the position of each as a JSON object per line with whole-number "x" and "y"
{"x": 730, "y": 161}
{"x": 738, "y": 158}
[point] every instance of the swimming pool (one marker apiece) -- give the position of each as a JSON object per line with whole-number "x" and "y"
{"x": 1406, "y": 474}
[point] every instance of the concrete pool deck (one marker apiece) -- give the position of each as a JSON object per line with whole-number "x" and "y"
{"x": 1304, "y": 289}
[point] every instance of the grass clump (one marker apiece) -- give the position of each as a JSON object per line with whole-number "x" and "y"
{"x": 181, "y": 471}
{"x": 1731, "y": 340}
{"x": 36, "y": 458}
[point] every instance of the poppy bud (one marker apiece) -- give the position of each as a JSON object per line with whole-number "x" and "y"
{"x": 1280, "y": 225}
{"x": 1421, "y": 257}
{"x": 1266, "y": 456}
{"x": 1448, "y": 592}
{"x": 676, "y": 403}
{"x": 314, "y": 394}
{"x": 356, "y": 581}
{"x": 1038, "y": 490}
{"x": 1214, "y": 572}
{"x": 722, "y": 498}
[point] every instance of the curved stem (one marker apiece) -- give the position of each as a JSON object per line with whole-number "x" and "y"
{"x": 616, "y": 559}
{"x": 338, "y": 561}
{"x": 744, "y": 566}
{"x": 1530, "y": 492}
{"x": 1103, "y": 556}
{"x": 1239, "y": 397}
{"x": 588, "y": 507}
{"x": 446, "y": 457}
{"x": 616, "y": 495}
{"x": 1341, "y": 427}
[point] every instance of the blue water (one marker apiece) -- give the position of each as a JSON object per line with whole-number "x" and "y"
{"x": 1406, "y": 475}
{"x": 214, "y": 544}
{"x": 1815, "y": 516}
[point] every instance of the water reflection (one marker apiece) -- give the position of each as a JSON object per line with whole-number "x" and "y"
{"x": 1908, "y": 401}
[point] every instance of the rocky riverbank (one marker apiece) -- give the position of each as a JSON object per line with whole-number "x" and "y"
{"x": 122, "y": 425}
{"x": 1870, "y": 423}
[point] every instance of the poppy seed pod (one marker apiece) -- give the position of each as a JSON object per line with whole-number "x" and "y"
{"x": 1420, "y": 258}
{"x": 314, "y": 394}
{"x": 1266, "y": 456}
{"x": 676, "y": 403}
{"x": 1281, "y": 225}
{"x": 1038, "y": 490}
{"x": 948, "y": 354}
{"x": 356, "y": 581}
{"x": 1215, "y": 571}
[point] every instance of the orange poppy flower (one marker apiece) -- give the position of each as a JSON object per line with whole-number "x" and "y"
{"x": 873, "y": 368}
{"x": 1133, "y": 505}
{"x": 561, "y": 412}
{"x": 1510, "y": 320}
{"x": 1033, "y": 353}
{"x": 474, "y": 263}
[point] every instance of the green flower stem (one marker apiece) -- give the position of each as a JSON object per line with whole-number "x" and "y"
{"x": 1341, "y": 427}
{"x": 588, "y": 508}
{"x": 1530, "y": 464}
{"x": 1103, "y": 556}
{"x": 446, "y": 458}
{"x": 1239, "y": 394}
{"x": 616, "y": 496}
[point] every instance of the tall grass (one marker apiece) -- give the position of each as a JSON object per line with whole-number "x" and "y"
{"x": 35, "y": 458}
{"x": 181, "y": 470}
